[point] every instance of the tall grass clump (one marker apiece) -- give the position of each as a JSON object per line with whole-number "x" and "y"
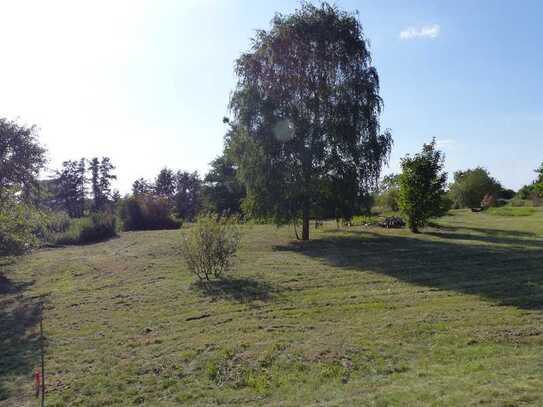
{"x": 210, "y": 245}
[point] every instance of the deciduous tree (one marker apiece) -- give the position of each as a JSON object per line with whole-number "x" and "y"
{"x": 306, "y": 108}
{"x": 422, "y": 186}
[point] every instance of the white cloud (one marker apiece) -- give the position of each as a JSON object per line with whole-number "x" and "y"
{"x": 424, "y": 31}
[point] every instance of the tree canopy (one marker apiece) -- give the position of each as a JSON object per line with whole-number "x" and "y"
{"x": 21, "y": 156}
{"x": 471, "y": 186}
{"x": 422, "y": 186}
{"x": 306, "y": 112}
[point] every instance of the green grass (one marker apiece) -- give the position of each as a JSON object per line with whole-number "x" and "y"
{"x": 358, "y": 316}
{"x": 512, "y": 211}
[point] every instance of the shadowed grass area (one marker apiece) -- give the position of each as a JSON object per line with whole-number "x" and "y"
{"x": 356, "y": 316}
{"x": 239, "y": 289}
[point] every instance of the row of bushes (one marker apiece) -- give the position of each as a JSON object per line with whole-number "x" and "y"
{"x": 95, "y": 228}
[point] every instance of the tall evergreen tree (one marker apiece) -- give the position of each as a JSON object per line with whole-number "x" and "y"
{"x": 141, "y": 187}
{"x": 101, "y": 177}
{"x": 71, "y": 190}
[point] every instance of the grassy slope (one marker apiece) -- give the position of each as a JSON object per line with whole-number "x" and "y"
{"x": 361, "y": 316}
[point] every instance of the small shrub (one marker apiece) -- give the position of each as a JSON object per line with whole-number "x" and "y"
{"x": 209, "y": 246}
{"x": 102, "y": 226}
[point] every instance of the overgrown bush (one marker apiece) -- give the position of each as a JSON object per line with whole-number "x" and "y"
{"x": 95, "y": 228}
{"x": 148, "y": 212}
{"x": 51, "y": 224}
{"x": 209, "y": 246}
{"x": 18, "y": 223}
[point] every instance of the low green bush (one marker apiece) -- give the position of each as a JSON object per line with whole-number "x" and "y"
{"x": 95, "y": 228}
{"x": 209, "y": 246}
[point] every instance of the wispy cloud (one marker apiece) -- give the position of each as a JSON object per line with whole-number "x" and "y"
{"x": 423, "y": 31}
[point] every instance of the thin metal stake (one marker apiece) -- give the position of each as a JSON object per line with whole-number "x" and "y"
{"x": 42, "y": 360}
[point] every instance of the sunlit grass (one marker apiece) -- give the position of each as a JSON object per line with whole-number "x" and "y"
{"x": 356, "y": 316}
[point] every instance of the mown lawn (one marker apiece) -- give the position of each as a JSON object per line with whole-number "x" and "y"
{"x": 359, "y": 316}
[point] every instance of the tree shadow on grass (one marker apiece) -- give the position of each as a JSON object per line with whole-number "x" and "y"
{"x": 19, "y": 334}
{"x": 244, "y": 290}
{"x": 506, "y": 270}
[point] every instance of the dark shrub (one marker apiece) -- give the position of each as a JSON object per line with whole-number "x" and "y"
{"x": 148, "y": 212}
{"x": 393, "y": 222}
{"x": 102, "y": 226}
{"x": 96, "y": 228}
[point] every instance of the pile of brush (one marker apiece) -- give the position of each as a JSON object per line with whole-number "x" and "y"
{"x": 392, "y": 222}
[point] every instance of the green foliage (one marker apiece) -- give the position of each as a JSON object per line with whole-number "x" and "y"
{"x": 21, "y": 158}
{"x": 70, "y": 187}
{"x": 534, "y": 190}
{"x": 471, "y": 186}
{"x": 389, "y": 193}
{"x": 147, "y": 212}
{"x": 18, "y": 223}
{"x": 209, "y": 246}
{"x": 98, "y": 227}
{"x": 422, "y": 184}
{"x": 222, "y": 191}
{"x": 187, "y": 199}
{"x": 101, "y": 176}
{"x": 165, "y": 183}
{"x": 307, "y": 110}
{"x": 362, "y": 220}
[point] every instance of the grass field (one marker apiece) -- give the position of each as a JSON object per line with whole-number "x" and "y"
{"x": 358, "y": 316}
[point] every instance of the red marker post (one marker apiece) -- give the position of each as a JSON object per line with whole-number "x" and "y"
{"x": 37, "y": 377}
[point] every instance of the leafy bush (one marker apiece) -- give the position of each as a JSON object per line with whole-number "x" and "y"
{"x": 148, "y": 212}
{"x": 96, "y": 228}
{"x": 209, "y": 246}
{"x": 50, "y": 225}
{"x": 17, "y": 225}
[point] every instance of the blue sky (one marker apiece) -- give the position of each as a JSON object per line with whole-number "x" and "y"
{"x": 147, "y": 82}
